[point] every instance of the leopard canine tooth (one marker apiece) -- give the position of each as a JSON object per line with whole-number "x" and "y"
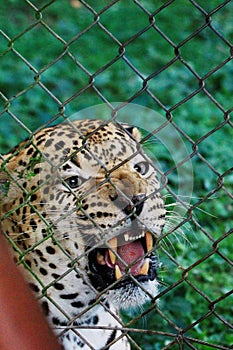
{"x": 113, "y": 245}
{"x": 112, "y": 256}
{"x": 100, "y": 259}
{"x": 118, "y": 273}
{"x": 145, "y": 267}
{"x": 149, "y": 241}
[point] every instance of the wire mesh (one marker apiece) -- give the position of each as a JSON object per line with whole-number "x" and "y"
{"x": 172, "y": 57}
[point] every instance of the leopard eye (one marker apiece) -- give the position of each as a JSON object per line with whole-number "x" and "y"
{"x": 142, "y": 167}
{"x": 74, "y": 181}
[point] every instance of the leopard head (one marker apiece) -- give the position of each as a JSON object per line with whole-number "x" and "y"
{"x": 82, "y": 200}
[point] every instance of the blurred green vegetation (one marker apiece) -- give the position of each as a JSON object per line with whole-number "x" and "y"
{"x": 33, "y": 90}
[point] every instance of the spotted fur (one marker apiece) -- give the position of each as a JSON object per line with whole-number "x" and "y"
{"x": 66, "y": 194}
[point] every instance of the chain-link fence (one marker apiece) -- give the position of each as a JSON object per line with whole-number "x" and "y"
{"x": 169, "y": 64}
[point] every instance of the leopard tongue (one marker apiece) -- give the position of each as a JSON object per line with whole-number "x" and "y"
{"x": 129, "y": 253}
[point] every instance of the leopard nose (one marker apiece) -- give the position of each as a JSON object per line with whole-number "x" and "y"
{"x": 136, "y": 206}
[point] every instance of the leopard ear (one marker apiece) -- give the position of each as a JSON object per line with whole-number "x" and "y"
{"x": 133, "y": 130}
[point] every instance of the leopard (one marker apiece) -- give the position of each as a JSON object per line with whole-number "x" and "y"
{"x": 81, "y": 205}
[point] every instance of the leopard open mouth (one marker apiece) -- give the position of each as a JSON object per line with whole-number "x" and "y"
{"x": 125, "y": 256}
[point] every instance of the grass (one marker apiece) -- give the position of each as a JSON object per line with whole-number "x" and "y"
{"x": 34, "y": 94}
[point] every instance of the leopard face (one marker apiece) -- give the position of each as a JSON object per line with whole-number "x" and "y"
{"x": 82, "y": 209}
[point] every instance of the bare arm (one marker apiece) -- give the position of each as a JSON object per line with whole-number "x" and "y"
{"x": 22, "y": 325}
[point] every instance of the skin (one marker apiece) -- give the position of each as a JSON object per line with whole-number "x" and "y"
{"x": 22, "y": 324}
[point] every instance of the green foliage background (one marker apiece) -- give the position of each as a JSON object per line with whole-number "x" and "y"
{"x": 23, "y": 97}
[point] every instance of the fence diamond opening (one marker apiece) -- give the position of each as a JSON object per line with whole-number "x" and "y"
{"x": 165, "y": 67}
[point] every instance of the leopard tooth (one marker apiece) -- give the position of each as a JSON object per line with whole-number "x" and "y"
{"x": 113, "y": 245}
{"x": 100, "y": 259}
{"x": 118, "y": 273}
{"x": 112, "y": 257}
{"x": 149, "y": 241}
{"x": 126, "y": 237}
{"x": 145, "y": 267}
